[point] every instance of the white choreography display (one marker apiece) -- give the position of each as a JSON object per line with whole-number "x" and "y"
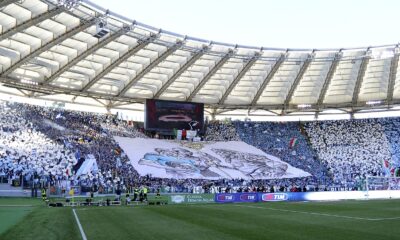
{"x": 207, "y": 160}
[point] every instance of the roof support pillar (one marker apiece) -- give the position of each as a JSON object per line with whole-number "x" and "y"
{"x": 360, "y": 78}
{"x": 392, "y": 78}
{"x": 47, "y": 46}
{"x": 180, "y": 71}
{"x": 85, "y": 54}
{"x": 120, "y": 60}
{"x": 328, "y": 79}
{"x": 241, "y": 74}
{"x": 297, "y": 81}
{"x": 213, "y": 70}
{"x": 31, "y": 22}
{"x": 270, "y": 75}
{"x": 161, "y": 58}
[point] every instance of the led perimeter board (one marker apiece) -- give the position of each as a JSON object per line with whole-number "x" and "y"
{"x": 163, "y": 115}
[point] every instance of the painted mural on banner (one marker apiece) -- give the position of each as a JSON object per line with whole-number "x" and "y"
{"x": 204, "y": 160}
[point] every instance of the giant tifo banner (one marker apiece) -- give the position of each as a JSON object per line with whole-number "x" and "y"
{"x": 204, "y": 160}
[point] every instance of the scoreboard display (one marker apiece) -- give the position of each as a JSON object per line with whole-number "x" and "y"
{"x": 163, "y": 115}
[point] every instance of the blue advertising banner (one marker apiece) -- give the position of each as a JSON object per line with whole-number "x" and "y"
{"x": 273, "y": 197}
{"x": 247, "y": 197}
{"x": 259, "y": 197}
{"x": 225, "y": 197}
{"x": 276, "y": 197}
{"x": 236, "y": 197}
{"x": 305, "y": 196}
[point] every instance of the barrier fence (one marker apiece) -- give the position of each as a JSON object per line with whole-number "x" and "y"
{"x": 272, "y": 197}
{"x": 306, "y": 196}
{"x": 190, "y": 198}
{"x": 249, "y": 197}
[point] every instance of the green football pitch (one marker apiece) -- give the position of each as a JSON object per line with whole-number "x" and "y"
{"x": 30, "y": 219}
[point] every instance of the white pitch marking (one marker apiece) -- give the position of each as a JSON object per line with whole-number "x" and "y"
{"x": 319, "y": 214}
{"x": 79, "y": 225}
{"x": 16, "y": 205}
{"x": 391, "y": 218}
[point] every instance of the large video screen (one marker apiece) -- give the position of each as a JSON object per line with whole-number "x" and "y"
{"x": 167, "y": 115}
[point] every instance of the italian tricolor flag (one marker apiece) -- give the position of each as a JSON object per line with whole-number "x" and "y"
{"x": 292, "y": 142}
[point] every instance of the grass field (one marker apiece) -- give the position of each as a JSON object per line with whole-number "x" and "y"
{"x": 278, "y": 220}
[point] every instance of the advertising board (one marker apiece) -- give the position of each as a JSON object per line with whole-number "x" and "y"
{"x": 236, "y": 197}
{"x": 190, "y": 198}
{"x": 306, "y": 196}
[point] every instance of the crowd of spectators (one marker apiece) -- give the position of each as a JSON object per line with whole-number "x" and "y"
{"x": 49, "y": 144}
{"x": 221, "y": 131}
{"x": 284, "y": 140}
{"x": 25, "y": 151}
{"x": 89, "y": 134}
{"x": 351, "y": 149}
{"x": 43, "y": 137}
{"x": 391, "y": 128}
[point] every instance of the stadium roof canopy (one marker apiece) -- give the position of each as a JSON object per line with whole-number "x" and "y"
{"x": 55, "y": 48}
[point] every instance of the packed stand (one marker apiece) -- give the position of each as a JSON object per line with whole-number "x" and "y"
{"x": 88, "y": 134}
{"x": 221, "y": 131}
{"x": 50, "y": 144}
{"x": 351, "y": 149}
{"x": 391, "y": 127}
{"x": 27, "y": 152}
{"x": 283, "y": 140}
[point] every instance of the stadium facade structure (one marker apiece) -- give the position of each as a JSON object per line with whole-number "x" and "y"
{"x": 49, "y": 50}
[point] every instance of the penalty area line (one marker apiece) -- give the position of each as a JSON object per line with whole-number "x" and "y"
{"x": 79, "y": 225}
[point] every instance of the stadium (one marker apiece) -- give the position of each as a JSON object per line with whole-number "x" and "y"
{"x": 111, "y": 128}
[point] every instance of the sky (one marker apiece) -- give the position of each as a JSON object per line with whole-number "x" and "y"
{"x": 279, "y": 23}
